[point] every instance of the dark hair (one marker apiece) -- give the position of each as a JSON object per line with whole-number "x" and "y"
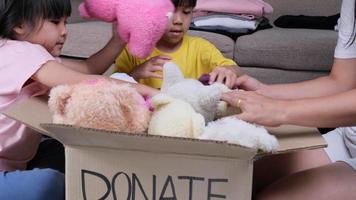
{"x": 16, "y": 12}
{"x": 187, "y": 3}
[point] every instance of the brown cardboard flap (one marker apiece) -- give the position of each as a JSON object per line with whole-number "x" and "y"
{"x": 79, "y": 136}
{"x": 292, "y": 137}
{"x": 31, "y": 112}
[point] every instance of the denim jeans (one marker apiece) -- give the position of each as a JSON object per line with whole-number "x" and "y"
{"x": 35, "y": 184}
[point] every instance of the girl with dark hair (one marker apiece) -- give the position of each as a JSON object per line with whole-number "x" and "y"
{"x": 32, "y": 34}
{"x": 194, "y": 55}
{"x": 328, "y": 101}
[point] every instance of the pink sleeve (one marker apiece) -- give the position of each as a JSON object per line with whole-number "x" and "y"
{"x": 20, "y": 60}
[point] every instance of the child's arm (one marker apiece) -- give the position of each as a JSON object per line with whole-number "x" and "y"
{"x": 99, "y": 62}
{"x": 53, "y": 73}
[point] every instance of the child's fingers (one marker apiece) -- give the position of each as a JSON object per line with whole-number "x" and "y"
{"x": 155, "y": 75}
{"x": 232, "y": 80}
{"x": 213, "y": 75}
{"x": 164, "y": 57}
{"x": 159, "y": 61}
{"x": 229, "y": 82}
{"x": 156, "y": 68}
{"x": 221, "y": 78}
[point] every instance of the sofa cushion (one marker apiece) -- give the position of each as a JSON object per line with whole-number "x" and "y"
{"x": 272, "y": 76}
{"x": 303, "y": 7}
{"x": 224, "y": 43}
{"x": 86, "y": 38}
{"x": 287, "y": 49}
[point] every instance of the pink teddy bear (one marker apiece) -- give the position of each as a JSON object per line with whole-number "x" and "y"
{"x": 141, "y": 22}
{"x": 100, "y": 104}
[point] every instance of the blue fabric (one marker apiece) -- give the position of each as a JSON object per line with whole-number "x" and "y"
{"x": 36, "y": 184}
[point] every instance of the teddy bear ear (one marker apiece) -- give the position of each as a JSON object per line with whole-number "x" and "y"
{"x": 171, "y": 75}
{"x": 161, "y": 100}
{"x": 58, "y": 98}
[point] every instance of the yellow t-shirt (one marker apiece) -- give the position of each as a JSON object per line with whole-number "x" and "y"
{"x": 196, "y": 56}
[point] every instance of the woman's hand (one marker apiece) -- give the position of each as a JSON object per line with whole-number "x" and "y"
{"x": 149, "y": 68}
{"x": 257, "y": 108}
{"x": 248, "y": 83}
{"x": 225, "y": 74}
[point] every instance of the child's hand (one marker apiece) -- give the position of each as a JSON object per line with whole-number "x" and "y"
{"x": 225, "y": 74}
{"x": 149, "y": 68}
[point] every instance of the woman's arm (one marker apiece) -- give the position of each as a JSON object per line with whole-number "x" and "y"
{"x": 342, "y": 78}
{"x": 328, "y": 111}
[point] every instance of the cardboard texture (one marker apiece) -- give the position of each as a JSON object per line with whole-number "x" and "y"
{"x": 111, "y": 165}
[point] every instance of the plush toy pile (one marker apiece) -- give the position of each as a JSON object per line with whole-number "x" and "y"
{"x": 141, "y": 23}
{"x": 186, "y": 105}
{"x": 100, "y": 104}
{"x": 184, "y": 108}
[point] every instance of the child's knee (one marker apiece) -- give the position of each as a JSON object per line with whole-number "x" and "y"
{"x": 50, "y": 185}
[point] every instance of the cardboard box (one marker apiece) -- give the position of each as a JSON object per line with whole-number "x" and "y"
{"x": 110, "y": 165}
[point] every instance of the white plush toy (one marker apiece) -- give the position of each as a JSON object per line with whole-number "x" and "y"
{"x": 235, "y": 131}
{"x": 174, "y": 117}
{"x": 204, "y": 99}
{"x": 184, "y": 106}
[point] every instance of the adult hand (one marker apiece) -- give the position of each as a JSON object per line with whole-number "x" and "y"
{"x": 149, "y": 68}
{"x": 248, "y": 83}
{"x": 257, "y": 108}
{"x": 224, "y": 74}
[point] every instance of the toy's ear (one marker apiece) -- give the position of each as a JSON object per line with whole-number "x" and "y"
{"x": 83, "y": 11}
{"x": 160, "y": 100}
{"x": 171, "y": 75}
{"x": 58, "y": 98}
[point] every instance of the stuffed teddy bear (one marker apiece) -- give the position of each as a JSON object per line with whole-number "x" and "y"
{"x": 141, "y": 23}
{"x": 184, "y": 106}
{"x": 100, "y": 104}
{"x": 174, "y": 117}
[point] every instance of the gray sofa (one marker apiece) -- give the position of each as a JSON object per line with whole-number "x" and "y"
{"x": 272, "y": 55}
